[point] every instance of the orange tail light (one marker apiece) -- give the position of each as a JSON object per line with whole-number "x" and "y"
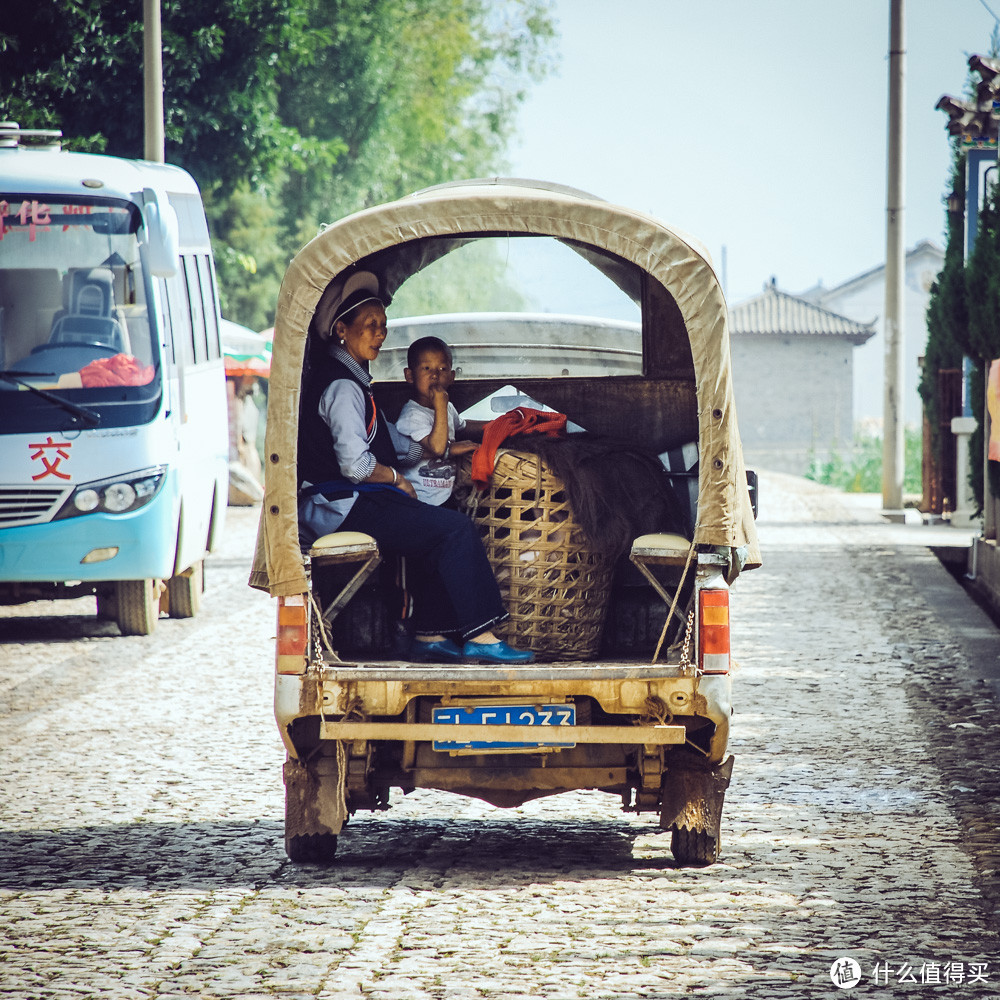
{"x": 293, "y": 634}
{"x": 713, "y": 631}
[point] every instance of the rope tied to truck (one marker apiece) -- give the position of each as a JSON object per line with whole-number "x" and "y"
{"x": 673, "y": 607}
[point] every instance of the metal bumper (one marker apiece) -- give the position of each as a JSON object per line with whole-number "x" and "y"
{"x": 418, "y": 732}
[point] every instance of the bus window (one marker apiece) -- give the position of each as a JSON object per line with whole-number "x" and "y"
{"x": 180, "y": 315}
{"x": 197, "y": 305}
{"x": 211, "y": 314}
{"x": 192, "y": 226}
{"x": 167, "y": 328}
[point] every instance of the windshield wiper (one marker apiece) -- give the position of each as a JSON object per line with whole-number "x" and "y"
{"x": 90, "y": 417}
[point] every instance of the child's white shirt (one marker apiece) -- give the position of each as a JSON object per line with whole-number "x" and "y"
{"x": 432, "y": 478}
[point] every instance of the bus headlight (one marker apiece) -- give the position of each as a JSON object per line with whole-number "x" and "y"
{"x": 118, "y": 495}
{"x": 86, "y": 500}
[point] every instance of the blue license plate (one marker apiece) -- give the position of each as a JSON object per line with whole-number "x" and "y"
{"x": 543, "y": 716}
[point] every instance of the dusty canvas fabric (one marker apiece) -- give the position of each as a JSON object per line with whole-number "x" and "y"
{"x": 680, "y": 264}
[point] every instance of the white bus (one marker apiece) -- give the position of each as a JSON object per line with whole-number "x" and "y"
{"x": 113, "y": 421}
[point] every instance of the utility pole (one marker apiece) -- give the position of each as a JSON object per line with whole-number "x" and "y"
{"x": 893, "y": 460}
{"x": 152, "y": 81}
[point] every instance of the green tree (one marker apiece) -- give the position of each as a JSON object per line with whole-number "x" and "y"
{"x": 78, "y": 66}
{"x": 983, "y": 343}
{"x": 249, "y": 262}
{"x": 472, "y": 278}
{"x": 947, "y": 313}
{"x": 958, "y": 315}
{"x": 415, "y": 92}
{"x": 288, "y": 113}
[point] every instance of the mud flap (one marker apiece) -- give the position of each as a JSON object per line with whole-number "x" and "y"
{"x": 693, "y": 794}
{"x": 314, "y": 798}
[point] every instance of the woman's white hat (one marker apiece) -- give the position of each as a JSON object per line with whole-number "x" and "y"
{"x": 341, "y": 297}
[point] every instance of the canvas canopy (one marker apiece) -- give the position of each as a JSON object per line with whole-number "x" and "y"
{"x": 595, "y": 228}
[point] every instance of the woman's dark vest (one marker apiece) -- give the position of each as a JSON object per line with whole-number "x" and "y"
{"x": 317, "y": 459}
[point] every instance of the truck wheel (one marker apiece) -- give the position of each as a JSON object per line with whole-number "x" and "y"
{"x": 137, "y": 606}
{"x": 314, "y": 811}
{"x": 314, "y": 848}
{"x": 693, "y": 848}
{"x": 692, "y": 796}
{"x": 184, "y": 591}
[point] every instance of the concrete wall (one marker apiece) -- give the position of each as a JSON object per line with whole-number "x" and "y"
{"x": 794, "y": 399}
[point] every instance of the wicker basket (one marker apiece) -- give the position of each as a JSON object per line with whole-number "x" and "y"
{"x": 555, "y": 587}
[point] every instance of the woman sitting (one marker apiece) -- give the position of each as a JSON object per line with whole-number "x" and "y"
{"x": 349, "y": 481}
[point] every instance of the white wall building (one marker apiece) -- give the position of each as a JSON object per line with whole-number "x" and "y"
{"x": 793, "y": 374}
{"x": 863, "y": 299}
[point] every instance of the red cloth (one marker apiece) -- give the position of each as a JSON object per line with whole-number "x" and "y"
{"x": 522, "y": 420}
{"x": 122, "y": 369}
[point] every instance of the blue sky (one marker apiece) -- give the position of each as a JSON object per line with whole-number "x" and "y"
{"x": 754, "y": 125}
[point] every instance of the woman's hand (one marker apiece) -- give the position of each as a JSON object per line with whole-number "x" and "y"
{"x": 392, "y": 477}
{"x": 402, "y": 483}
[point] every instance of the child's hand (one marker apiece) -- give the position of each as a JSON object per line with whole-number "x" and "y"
{"x": 462, "y": 448}
{"x": 439, "y": 394}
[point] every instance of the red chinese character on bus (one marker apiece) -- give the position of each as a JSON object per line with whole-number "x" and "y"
{"x": 37, "y": 213}
{"x": 31, "y": 214}
{"x": 74, "y": 210}
{"x": 51, "y": 464}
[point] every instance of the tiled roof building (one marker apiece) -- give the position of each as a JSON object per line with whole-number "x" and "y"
{"x": 793, "y": 370}
{"x": 774, "y": 312}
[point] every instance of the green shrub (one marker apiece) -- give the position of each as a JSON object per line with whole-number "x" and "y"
{"x": 861, "y": 471}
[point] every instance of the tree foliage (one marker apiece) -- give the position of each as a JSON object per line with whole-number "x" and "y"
{"x": 962, "y": 316}
{"x": 983, "y": 285}
{"x": 961, "y": 322}
{"x": 78, "y": 66}
{"x": 416, "y": 92}
{"x": 288, "y": 113}
{"x": 472, "y": 278}
{"x": 947, "y": 313}
{"x": 983, "y": 344}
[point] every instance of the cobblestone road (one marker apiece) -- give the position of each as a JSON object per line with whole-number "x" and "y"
{"x": 141, "y": 805}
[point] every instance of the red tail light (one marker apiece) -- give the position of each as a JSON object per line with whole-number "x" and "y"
{"x": 293, "y": 634}
{"x": 713, "y": 631}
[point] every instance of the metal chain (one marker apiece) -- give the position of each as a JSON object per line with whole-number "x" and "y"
{"x": 686, "y": 648}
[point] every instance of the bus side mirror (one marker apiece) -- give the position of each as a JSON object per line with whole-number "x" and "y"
{"x": 160, "y": 221}
{"x": 752, "y": 488}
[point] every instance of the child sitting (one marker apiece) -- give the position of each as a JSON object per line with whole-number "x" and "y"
{"x": 430, "y": 419}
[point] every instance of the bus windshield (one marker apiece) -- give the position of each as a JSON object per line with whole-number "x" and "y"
{"x": 73, "y": 314}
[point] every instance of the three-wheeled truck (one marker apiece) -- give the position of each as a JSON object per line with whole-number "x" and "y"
{"x": 550, "y": 299}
